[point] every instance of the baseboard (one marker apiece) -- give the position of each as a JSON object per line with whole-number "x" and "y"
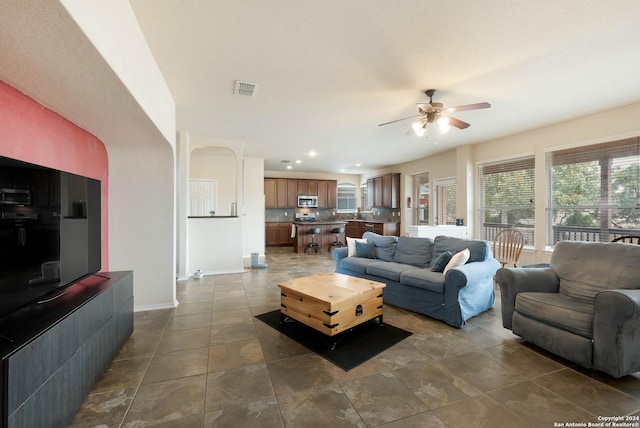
{"x": 155, "y": 307}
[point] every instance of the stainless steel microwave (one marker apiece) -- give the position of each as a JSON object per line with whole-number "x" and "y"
{"x": 308, "y": 201}
{"x": 15, "y": 196}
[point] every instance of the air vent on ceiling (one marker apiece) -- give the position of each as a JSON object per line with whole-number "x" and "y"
{"x": 245, "y": 89}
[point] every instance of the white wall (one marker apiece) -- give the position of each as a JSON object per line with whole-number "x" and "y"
{"x": 140, "y": 146}
{"x": 217, "y": 164}
{"x": 253, "y": 214}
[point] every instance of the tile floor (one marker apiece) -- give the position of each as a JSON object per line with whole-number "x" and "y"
{"x": 210, "y": 363}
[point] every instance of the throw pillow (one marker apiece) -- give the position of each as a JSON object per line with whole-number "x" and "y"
{"x": 351, "y": 245}
{"x": 441, "y": 262}
{"x": 458, "y": 259}
{"x": 365, "y": 250}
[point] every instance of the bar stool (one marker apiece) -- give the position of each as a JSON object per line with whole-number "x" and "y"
{"x": 337, "y": 231}
{"x": 313, "y": 244}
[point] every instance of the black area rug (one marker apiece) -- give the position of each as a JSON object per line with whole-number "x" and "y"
{"x": 354, "y": 348}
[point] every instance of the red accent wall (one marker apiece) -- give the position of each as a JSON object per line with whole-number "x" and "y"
{"x": 33, "y": 133}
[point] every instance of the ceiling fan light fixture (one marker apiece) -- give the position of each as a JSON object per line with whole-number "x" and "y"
{"x": 443, "y": 124}
{"x": 419, "y": 127}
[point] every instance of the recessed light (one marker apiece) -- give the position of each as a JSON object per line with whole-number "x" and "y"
{"x": 312, "y": 153}
{"x": 298, "y": 161}
{"x": 358, "y": 164}
{"x": 289, "y": 167}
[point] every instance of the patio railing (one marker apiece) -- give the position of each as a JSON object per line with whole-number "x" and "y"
{"x": 560, "y": 233}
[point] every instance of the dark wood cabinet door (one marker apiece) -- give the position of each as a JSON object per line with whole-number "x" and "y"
{"x": 370, "y": 192}
{"x": 269, "y": 193}
{"x": 302, "y": 188}
{"x": 377, "y": 192}
{"x": 332, "y": 194}
{"x": 271, "y": 235}
{"x": 292, "y": 193}
{"x": 386, "y": 191}
{"x": 312, "y": 187}
{"x": 284, "y": 233}
{"x": 322, "y": 194}
{"x": 281, "y": 193}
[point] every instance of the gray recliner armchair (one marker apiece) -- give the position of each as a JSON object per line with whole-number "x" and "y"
{"x": 585, "y": 307}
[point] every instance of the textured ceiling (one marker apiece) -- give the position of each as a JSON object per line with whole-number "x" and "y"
{"x": 329, "y": 71}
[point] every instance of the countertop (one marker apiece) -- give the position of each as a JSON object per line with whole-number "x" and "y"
{"x": 312, "y": 223}
{"x": 373, "y": 221}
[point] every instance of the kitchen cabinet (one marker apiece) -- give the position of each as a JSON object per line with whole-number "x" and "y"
{"x": 384, "y": 191}
{"x": 332, "y": 193}
{"x": 312, "y": 187}
{"x": 302, "y": 188}
{"x": 281, "y": 193}
{"x": 292, "y": 193}
{"x": 271, "y": 235}
{"x": 278, "y": 234}
{"x": 269, "y": 192}
{"x": 377, "y": 192}
{"x": 322, "y": 194}
{"x": 355, "y": 229}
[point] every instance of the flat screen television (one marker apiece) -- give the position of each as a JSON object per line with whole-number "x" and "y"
{"x": 50, "y": 232}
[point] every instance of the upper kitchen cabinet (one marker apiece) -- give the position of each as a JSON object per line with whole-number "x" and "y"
{"x": 292, "y": 193}
{"x": 284, "y": 192}
{"x": 332, "y": 193}
{"x": 302, "y": 188}
{"x": 282, "y": 200}
{"x": 384, "y": 191}
{"x": 270, "y": 193}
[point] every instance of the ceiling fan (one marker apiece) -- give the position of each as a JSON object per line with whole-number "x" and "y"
{"x": 437, "y": 113}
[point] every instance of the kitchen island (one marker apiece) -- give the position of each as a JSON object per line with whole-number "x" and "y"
{"x": 324, "y": 239}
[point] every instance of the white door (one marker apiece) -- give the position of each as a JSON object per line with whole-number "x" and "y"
{"x": 202, "y": 197}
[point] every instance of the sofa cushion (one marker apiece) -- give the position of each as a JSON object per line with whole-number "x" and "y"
{"x": 423, "y": 278}
{"x": 414, "y": 251}
{"x": 478, "y": 249}
{"x": 385, "y": 245}
{"x": 441, "y": 262}
{"x": 458, "y": 259}
{"x": 564, "y": 312}
{"x": 351, "y": 245}
{"x": 365, "y": 249}
{"x": 586, "y": 268}
{"x": 356, "y": 264}
{"x": 388, "y": 270}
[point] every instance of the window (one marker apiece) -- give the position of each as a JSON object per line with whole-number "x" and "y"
{"x": 507, "y": 195}
{"x": 446, "y": 201}
{"x": 594, "y": 192}
{"x": 346, "y": 197}
{"x": 421, "y": 199}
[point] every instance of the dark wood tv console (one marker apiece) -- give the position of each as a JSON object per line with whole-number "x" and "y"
{"x": 54, "y": 351}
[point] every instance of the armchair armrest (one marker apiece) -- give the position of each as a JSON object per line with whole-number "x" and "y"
{"x": 517, "y": 280}
{"x": 339, "y": 254}
{"x": 616, "y": 332}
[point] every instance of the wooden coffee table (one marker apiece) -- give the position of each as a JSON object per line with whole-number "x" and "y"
{"x": 331, "y": 303}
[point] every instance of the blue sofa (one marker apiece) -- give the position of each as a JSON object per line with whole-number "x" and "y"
{"x": 404, "y": 265}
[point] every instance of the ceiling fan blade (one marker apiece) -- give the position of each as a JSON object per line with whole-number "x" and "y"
{"x": 475, "y": 106}
{"x": 458, "y": 123}
{"x": 400, "y": 120}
